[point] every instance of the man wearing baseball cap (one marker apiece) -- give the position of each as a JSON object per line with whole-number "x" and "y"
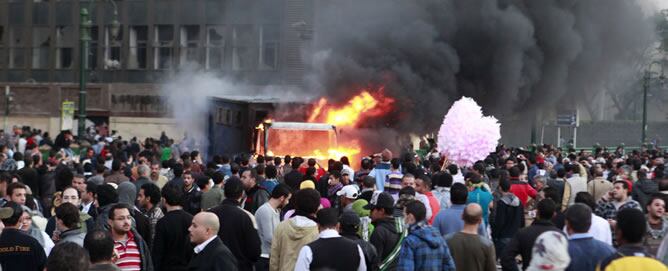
{"x": 18, "y": 251}
{"x": 347, "y": 195}
{"x": 388, "y": 232}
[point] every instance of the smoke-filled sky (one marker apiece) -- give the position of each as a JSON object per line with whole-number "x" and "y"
{"x": 512, "y": 56}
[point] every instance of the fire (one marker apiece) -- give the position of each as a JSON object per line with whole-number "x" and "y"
{"x": 349, "y": 115}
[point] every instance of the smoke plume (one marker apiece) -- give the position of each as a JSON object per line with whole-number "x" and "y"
{"x": 514, "y": 57}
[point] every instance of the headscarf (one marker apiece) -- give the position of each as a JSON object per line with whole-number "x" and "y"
{"x": 550, "y": 252}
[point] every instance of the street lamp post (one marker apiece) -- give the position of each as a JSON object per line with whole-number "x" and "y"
{"x": 84, "y": 34}
{"x": 646, "y": 85}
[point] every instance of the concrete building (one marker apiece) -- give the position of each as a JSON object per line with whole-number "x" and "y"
{"x": 258, "y": 42}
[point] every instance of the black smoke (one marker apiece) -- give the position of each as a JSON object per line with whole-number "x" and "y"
{"x": 513, "y": 57}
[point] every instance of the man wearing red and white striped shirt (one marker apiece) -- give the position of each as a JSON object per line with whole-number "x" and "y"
{"x": 132, "y": 252}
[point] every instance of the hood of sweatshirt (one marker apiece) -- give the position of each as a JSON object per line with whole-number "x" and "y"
{"x": 510, "y": 199}
{"x": 430, "y": 235}
{"x": 300, "y": 226}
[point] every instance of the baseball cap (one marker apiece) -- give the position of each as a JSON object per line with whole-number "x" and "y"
{"x": 380, "y": 200}
{"x": 349, "y": 218}
{"x": 349, "y": 191}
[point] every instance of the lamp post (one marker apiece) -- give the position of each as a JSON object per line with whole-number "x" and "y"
{"x": 646, "y": 81}
{"x": 84, "y": 39}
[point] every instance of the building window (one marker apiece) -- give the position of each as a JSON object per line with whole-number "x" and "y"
{"x": 112, "y": 49}
{"x": 215, "y": 47}
{"x": 41, "y": 40}
{"x": 64, "y": 47}
{"x": 17, "y": 49}
{"x": 138, "y": 47}
{"x": 189, "y": 44}
{"x": 268, "y": 53}
{"x": 162, "y": 50}
{"x": 242, "y": 50}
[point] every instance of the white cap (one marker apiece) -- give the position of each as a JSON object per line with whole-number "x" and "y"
{"x": 349, "y": 191}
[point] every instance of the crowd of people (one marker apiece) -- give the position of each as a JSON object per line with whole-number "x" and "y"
{"x": 130, "y": 205}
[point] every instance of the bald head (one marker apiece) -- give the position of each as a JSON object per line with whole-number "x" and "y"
{"x": 472, "y": 214}
{"x": 208, "y": 220}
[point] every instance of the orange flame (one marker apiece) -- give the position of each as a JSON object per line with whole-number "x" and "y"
{"x": 361, "y": 106}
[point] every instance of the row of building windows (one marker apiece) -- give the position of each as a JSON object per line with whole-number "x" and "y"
{"x": 236, "y": 47}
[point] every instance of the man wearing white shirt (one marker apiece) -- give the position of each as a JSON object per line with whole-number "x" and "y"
{"x": 210, "y": 252}
{"x": 600, "y": 228}
{"x": 330, "y": 251}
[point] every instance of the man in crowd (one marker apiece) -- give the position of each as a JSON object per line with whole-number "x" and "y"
{"x": 657, "y": 223}
{"x": 616, "y": 200}
{"x": 423, "y": 248}
{"x": 292, "y": 234}
{"x": 349, "y": 227}
{"x": 600, "y": 228}
{"x": 215, "y": 195}
{"x": 508, "y": 217}
{"x": 171, "y": 232}
{"x": 256, "y": 195}
{"x": 382, "y": 169}
{"x": 133, "y": 252}
{"x": 387, "y": 233}
{"x": 116, "y": 175}
{"x": 237, "y": 227}
{"x": 520, "y": 188}
{"x": 347, "y": 195}
{"x": 193, "y": 197}
{"x": 100, "y": 247}
{"x": 327, "y": 252}
{"x": 449, "y": 220}
{"x": 155, "y": 176}
{"x": 442, "y": 185}
{"x": 68, "y": 224}
{"x": 599, "y": 186}
{"x": 577, "y": 182}
{"x": 16, "y": 192}
{"x": 144, "y": 173}
{"x": 393, "y": 178}
{"x": 578, "y": 221}
{"x": 148, "y": 199}
{"x": 68, "y": 256}
{"x": 469, "y": 250}
{"x": 522, "y": 242}
{"x": 268, "y": 218}
{"x": 88, "y": 199}
{"x": 631, "y": 255}
{"x": 409, "y": 181}
{"x": 210, "y": 252}
{"x": 30, "y": 256}
{"x": 423, "y": 186}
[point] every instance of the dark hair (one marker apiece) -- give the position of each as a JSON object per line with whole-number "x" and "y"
{"x": 345, "y": 160}
{"x": 327, "y": 217}
{"x": 100, "y": 168}
{"x": 281, "y": 190}
{"x": 504, "y": 184}
{"x": 425, "y": 180}
{"x": 173, "y": 194}
{"x": 260, "y": 169}
{"x": 99, "y": 244}
{"x": 453, "y": 169}
{"x": 395, "y": 163}
{"x": 417, "y": 209}
{"x": 67, "y": 256}
{"x": 624, "y": 184}
{"x": 152, "y": 191}
{"x": 217, "y": 177}
{"x": 91, "y": 187}
{"x": 336, "y": 174}
{"x": 656, "y": 196}
{"x": 271, "y": 172}
{"x": 5, "y": 178}
{"x": 585, "y": 198}
{"x": 561, "y": 173}
{"x": 307, "y": 200}
{"x": 445, "y": 180}
{"x": 233, "y": 188}
{"x": 514, "y": 172}
{"x": 116, "y": 165}
{"x": 368, "y": 181}
{"x": 551, "y": 193}
{"x": 546, "y": 208}
{"x": 579, "y": 217}
{"x": 201, "y": 180}
{"x": 407, "y": 191}
{"x": 14, "y": 219}
{"x": 106, "y": 194}
{"x": 69, "y": 214}
{"x": 458, "y": 193}
{"x": 177, "y": 169}
{"x": 13, "y": 186}
{"x": 632, "y": 224}
{"x": 118, "y": 206}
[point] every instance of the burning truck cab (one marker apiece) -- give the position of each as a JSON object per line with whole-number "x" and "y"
{"x": 309, "y": 140}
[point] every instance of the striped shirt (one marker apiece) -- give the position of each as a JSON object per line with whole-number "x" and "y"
{"x": 129, "y": 258}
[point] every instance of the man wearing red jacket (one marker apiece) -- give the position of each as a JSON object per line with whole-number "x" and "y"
{"x": 521, "y": 189}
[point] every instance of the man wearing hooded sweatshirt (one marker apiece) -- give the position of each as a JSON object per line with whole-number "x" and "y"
{"x": 424, "y": 248}
{"x": 293, "y": 233}
{"x": 508, "y": 217}
{"x": 388, "y": 231}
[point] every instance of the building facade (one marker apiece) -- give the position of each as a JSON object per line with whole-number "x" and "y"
{"x": 258, "y": 42}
